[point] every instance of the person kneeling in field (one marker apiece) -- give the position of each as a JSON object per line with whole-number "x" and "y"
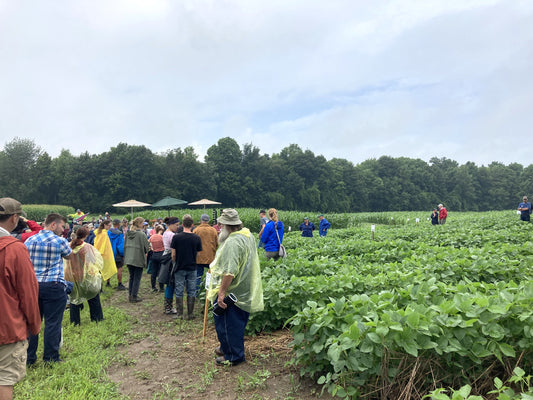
{"x": 235, "y": 270}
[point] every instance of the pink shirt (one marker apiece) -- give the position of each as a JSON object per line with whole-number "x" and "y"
{"x": 157, "y": 242}
{"x": 167, "y": 239}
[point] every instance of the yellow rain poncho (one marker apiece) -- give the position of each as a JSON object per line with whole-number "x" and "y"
{"x": 103, "y": 245}
{"x": 84, "y": 270}
{"x": 237, "y": 257}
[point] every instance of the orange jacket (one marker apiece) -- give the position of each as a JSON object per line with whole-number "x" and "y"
{"x": 19, "y": 292}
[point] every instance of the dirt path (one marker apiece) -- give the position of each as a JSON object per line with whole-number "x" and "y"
{"x": 167, "y": 358}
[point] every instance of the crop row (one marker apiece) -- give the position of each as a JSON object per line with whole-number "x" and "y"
{"x": 448, "y": 299}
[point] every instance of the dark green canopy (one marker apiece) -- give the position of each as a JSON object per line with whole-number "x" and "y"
{"x": 167, "y": 202}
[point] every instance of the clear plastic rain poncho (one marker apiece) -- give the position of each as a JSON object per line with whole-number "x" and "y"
{"x": 84, "y": 270}
{"x": 238, "y": 257}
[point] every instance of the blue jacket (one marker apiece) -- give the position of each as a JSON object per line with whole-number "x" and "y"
{"x": 323, "y": 227}
{"x": 90, "y": 238}
{"x": 307, "y": 230}
{"x": 269, "y": 237}
{"x": 117, "y": 242}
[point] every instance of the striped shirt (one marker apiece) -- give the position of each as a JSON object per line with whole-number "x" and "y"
{"x": 46, "y": 253}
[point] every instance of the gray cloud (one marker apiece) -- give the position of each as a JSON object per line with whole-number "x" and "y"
{"x": 352, "y": 80}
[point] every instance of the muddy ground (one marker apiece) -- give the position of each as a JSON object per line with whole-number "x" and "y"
{"x": 169, "y": 358}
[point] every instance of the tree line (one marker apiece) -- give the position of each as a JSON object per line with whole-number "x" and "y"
{"x": 293, "y": 179}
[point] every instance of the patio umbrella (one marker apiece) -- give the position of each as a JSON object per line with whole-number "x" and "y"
{"x": 131, "y": 203}
{"x": 167, "y": 202}
{"x": 204, "y": 202}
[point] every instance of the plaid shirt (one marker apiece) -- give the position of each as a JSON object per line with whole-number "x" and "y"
{"x": 46, "y": 253}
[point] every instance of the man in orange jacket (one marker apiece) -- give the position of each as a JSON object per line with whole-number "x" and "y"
{"x": 19, "y": 300}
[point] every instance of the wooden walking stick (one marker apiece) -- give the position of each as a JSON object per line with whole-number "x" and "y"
{"x": 206, "y": 308}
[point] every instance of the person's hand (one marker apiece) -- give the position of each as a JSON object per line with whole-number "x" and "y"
{"x": 220, "y": 300}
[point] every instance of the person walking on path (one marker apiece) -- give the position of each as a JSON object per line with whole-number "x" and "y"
{"x": 19, "y": 300}
{"x": 136, "y": 248}
{"x": 272, "y": 235}
{"x": 323, "y": 226}
{"x": 525, "y": 209}
{"x": 443, "y": 214}
{"x": 116, "y": 237}
{"x": 47, "y": 250}
{"x": 235, "y": 270}
{"x": 209, "y": 238}
{"x": 307, "y": 228}
{"x": 185, "y": 247}
{"x": 104, "y": 247}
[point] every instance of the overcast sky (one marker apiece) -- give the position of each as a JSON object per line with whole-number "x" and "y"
{"x": 352, "y": 79}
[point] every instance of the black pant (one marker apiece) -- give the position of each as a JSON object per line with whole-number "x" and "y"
{"x": 156, "y": 266}
{"x": 95, "y": 310}
{"x": 135, "y": 279}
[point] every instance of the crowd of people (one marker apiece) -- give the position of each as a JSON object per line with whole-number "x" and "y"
{"x": 44, "y": 266}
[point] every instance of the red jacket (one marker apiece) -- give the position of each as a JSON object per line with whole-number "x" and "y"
{"x": 19, "y": 293}
{"x": 443, "y": 213}
{"x": 34, "y": 226}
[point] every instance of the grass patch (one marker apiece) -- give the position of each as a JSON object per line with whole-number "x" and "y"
{"x": 88, "y": 350}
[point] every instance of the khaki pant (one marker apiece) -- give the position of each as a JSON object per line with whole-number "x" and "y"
{"x": 12, "y": 362}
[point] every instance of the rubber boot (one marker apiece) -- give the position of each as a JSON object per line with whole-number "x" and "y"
{"x": 135, "y": 299}
{"x": 179, "y": 307}
{"x": 190, "y": 307}
{"x": 168, "y": 306}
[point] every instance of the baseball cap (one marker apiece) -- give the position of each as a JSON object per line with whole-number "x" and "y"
{"x": 9, "y": 206}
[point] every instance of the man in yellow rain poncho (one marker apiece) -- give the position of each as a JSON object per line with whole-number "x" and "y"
{"x": 103, "y": 245}
{"x": 235, "y": 270}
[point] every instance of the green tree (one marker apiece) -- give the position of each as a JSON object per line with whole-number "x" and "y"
{"x": 17, "y": 160}
{"x": 224, "y": 161}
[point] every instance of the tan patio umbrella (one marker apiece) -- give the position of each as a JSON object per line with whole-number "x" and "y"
{"x": 204, "y": 202}
{"x": 131, "y": 204}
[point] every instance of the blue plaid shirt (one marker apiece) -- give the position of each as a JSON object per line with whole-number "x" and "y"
{"x": 46, "y": 253}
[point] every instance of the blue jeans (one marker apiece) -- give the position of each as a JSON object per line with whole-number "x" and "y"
{"x": 200, "y": 268}
{"x": 183, "y": 276}
{"x": 52, "y": 302}
{"x": 230, "y": 332}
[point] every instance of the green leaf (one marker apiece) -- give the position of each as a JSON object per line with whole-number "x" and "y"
{"x": 382, "y": 330}
{"x": 507, "y": 349}
{"x": 374, "y": 337}
{"x": 498, "y": 383}
{"x": 410, "y": 348}
{"x": 464, "y": 391}
{"x": 317, "y": 347}
{"x": 413, "y": 320}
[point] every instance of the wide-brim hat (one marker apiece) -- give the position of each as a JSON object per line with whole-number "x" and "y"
{"x": 229, "y": 216}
